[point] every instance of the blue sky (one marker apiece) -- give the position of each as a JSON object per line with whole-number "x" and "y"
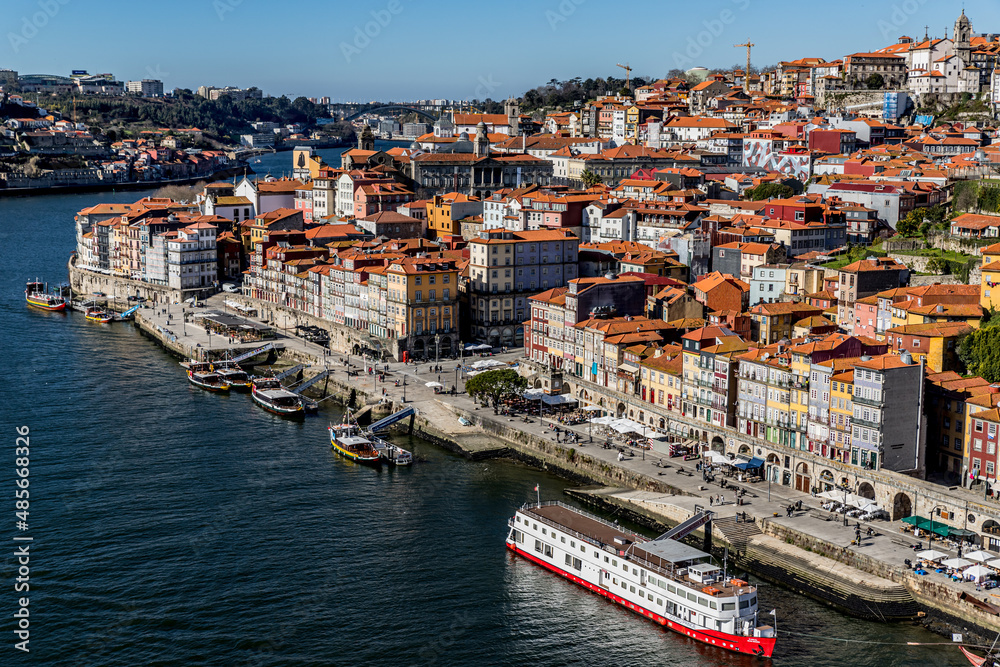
{"x": 407, "y": 49}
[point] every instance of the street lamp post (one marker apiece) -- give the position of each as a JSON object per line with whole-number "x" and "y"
{"x": 437, "y": 347}
{"x": 457, "y": 366}
{"x": 404, "y": 389}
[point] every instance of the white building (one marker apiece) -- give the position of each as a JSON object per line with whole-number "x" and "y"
{"x": 191, "y": 257}
{"x": 145, "y": 88}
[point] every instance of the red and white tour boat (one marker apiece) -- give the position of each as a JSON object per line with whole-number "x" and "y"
{"x": 664, "y": 579}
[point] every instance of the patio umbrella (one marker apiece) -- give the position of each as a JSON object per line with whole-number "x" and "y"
{"x": 433, "y": 384}
{"x": 592, "y": 408}
{"x": 977, "y": 573}
{"x": 995, "y": 563}
{"x": 603, "y": 421}
{"x": 956, "y": 563}
{"x": 931, "y": 554}
{"x": 980, "y": 556}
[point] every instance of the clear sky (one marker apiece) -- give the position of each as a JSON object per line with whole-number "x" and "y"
{"x": 408, "y": 49}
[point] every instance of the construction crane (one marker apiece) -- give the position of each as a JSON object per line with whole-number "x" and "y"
{"x": 746, "y": 73}
{"x": 628, "y": 75}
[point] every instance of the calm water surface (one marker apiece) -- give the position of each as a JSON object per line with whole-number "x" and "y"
{"x": 177, "y": 527}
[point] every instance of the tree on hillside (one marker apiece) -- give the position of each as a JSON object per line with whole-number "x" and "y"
{"x": 590, "y": 179}
{"x": 495, "y": 386}
{"x": 910, "y": 225}
{"x": 979, "y": 351}
{"x": 768, "y": 190}
{"x": 875, "y": 81}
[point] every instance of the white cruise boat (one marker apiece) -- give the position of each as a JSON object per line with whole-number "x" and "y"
{"x": 665, "y": 580}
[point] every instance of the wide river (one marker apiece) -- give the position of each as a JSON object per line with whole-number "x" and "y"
{"x": 175, "y": 527}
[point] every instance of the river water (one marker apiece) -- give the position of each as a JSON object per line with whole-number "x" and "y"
{"x": 176, "y": 527}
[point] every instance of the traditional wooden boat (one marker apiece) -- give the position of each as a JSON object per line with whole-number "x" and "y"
{"x": 237, "y": 378}
{"x": 348, "y": 440}
{"x": 269, "y": 394}
{"x": 208, "y": 380}
{"x": 36, "y": 294}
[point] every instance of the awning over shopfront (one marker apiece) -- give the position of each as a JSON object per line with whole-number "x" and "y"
{"x": 750, "y": 464}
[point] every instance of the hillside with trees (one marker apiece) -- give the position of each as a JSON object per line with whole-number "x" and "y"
{"x": 222, "y": 119}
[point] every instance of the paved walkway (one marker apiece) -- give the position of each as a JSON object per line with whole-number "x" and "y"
{"x": 890, "y": 545}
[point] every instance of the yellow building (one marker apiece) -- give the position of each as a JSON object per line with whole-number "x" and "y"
{"x": 660, "y": 379}
{"x": 445, "y": 212}
{"x": 841, "y": 409}
{"x": 936, "y": 344}
{"x": 422, "y": 305}
{"x": 989, "y": 286}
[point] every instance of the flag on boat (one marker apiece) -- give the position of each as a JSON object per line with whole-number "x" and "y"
{"x": 773, "y": 612}
{"x": 536, "y": 487}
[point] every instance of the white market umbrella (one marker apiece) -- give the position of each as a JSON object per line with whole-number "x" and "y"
{"x": 931, "y": 554}
{"x": 592, "y": 408}
{"x": 956, "y": 563}
{"x": 995, "y": 563}
{"x": 977, "y": 573}
{"x": 603, "y": 421}
{"x": 433, "y": 384}
{"x": 980, "y": 556}
{"x": 870, "y": 507}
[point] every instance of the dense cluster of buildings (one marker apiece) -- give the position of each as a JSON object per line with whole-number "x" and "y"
{"x": 621, "y": 245}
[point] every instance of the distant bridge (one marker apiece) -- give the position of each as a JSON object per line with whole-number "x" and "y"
{"x": 394, "y": 107}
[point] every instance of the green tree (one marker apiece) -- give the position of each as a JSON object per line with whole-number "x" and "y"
{"x": 590, "y": 179}
{"x": 980, "y": 353}
{"x": 768, "y": 190}
{"x": 938, "y": 265}
{"x": 875, "y": 82}
{"x": 495, "y": 386}
{"x": 910, "y": 225}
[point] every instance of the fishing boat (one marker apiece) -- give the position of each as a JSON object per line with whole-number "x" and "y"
{"x": 665, "y": 580}
{"x": 268, "y": 393}
{"x": 37, "y": 294}
{"x": 208, "y": 380}
{"x": 348, "y": 440}
{"x": 237, "y": 378}
{"x": 95, "y": 314}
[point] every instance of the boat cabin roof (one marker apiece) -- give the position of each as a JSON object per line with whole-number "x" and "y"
{"x": 355, "y": 440}
{"x": 276, "y": 393}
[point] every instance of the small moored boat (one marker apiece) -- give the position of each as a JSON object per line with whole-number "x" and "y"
{"x": 348, "y": 440}
{"x": 99, "y": 315}
{"x": 36, "y": 294}
{"x": 208, "y": 380}
{"x": 269, "y": 394}
{"x": 237, "y": 378}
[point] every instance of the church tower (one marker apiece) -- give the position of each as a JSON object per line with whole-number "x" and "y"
{"x": 481, "y": 144}
{"x": 962, "y": 37}
{"x": 366, "y": 140}
{"x": 513, "y": 112}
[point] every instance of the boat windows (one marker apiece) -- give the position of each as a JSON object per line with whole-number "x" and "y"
{"x": 597, "y": 554}
{"x": 538, "y": 546}
{"x": 534, "y": 526}
{"x": 692, "y": 597}
{"x": 584, "y": 549}
{"x": 631, "y": 589}
{"x": 548, "y": 551}
{"x": 572, "y": 544}
{"x": 577, "y": 564}
{"x": 728, "y": 606}
{"x": 642, "y": 594}
{"x": 659, "y": 602}
{"x": 712, "y": 604}
{"x": 569, "y": 559}
{"x": 624, "y": 584}
{"x": 744, "y": 604}
{"x": 517, "y": 518}
{"x": 614, "y": 563}
{"x": 671, "y": 588}
{"x": 614, "y": 580}
{"x": 635, "y": 571}
{"x": 703, "y": 602}
{"x": 544, "y": 532}
{"x": 606, "y": 559}
{"x": 562, "y": 538}
{"x": 753, "y": 600}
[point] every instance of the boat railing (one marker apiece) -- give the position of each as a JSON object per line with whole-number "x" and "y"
{"x": 593, "y": 517}
{"x": 629, "y": 554}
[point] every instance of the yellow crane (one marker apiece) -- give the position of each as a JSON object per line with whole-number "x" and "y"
{"x": 628, "y": 75}
{"x": 746, "y": 73}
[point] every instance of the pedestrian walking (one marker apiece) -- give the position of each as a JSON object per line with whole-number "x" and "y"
{"x": 722, "y": 499}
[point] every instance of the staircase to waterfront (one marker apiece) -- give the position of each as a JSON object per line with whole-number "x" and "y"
{"x": 736, "y": 533}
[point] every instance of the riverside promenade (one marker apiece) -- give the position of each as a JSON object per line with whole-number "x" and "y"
{"x": 809, "y": 529}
